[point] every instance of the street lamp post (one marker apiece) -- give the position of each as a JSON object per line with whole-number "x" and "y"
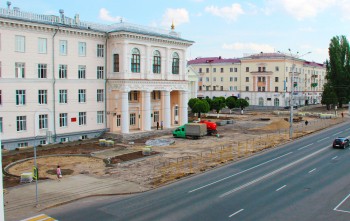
{"x": 291, "y": 94}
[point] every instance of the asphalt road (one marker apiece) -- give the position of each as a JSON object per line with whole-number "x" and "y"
{"x": 304, "y": 180}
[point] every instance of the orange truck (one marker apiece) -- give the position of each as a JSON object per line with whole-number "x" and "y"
{"x": 211, "y": 127}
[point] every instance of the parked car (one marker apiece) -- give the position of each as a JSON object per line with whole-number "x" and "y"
{"x": 341, "y": 142}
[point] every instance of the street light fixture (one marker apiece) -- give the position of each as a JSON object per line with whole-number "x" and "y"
{"x": 292, "y": 92}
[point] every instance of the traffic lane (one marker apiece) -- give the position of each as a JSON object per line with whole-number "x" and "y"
{"x": 297, "y": 194}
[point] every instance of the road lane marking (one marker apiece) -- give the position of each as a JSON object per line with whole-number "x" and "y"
{"x": 225, "y": 178}
{"x": 334, "y": 157}
{"x": 40, "y": 217}
{"x": 338, "y": 133}
{"x": 312, "y": 170}
{"x": 272, "y": 173}
{"x": 280, "y": 188}
{"x": 336, "y": 208}
{"x": 323, "y": 139}
{"x": 235, "y": 213}
{"x": 305, "y": 146}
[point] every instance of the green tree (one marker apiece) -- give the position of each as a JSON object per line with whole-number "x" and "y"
{"x": 209, "y": 101}
{"x": 192, "y": 102}
{"x": 218, "y": 104}
{"x": 242, "y": 103}
{"x": 329, "y": 97}
{"x": 231, "y": 103}
{"x": 338, "y": 68}
{"x": 201, "y": 106}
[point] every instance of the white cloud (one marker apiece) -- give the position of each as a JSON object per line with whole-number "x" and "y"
{"x": 301, "y": 9}
{"x": 177, "y": 15}
{"x": 104, "y": 15}
{"x": 249, "y": 47}
{"x": 230, "y": 12}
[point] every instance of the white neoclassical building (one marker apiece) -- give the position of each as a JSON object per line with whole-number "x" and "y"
{"x": 62, "y": 79}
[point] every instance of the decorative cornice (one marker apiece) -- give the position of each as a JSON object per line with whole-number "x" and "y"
{"x": 139, "y": 85}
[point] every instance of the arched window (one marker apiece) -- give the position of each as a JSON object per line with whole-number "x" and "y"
{"x": 135, "y": 61}
{"x": 156, "y": 62}
{"x": 261, "y": 101}
{"x": 175, "y": 64}
{"x": 276, "y": 102}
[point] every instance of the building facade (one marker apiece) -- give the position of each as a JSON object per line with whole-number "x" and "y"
{"x": 62, "y": 79}
{"x": 263, "y": 79}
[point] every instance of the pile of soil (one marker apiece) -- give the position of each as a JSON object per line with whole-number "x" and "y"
{"x": 277, "y": 124}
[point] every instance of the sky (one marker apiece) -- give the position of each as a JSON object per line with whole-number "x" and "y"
{"x": 226, "y": 28}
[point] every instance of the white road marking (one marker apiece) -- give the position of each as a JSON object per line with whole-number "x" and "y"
{"x": 273, "y": 172}
{"x": 235, "y": 213}
{"x": 312, "y": 170}
{"x": 336, "y": 208}
{"x": 305, "y": 146}
{"x": 334, "y": 157}
{"x": 338, "y": 133}
{"x": 323, "y": 139}
{"x": 281, "y": 188}
{"x": 225, "y": 178}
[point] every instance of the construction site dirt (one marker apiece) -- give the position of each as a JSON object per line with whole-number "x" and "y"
{"x": 252, "y": 132}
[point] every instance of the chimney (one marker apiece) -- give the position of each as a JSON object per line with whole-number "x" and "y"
{"x": 8, "y": 5}
{"x": 62, "y": 15}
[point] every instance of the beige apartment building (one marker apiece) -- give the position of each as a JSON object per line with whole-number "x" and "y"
{"x": 63, "y": 79}
{"x": 263, "y": 79}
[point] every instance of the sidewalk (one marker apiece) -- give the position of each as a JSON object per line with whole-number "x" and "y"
{"x": 20, "y": 201}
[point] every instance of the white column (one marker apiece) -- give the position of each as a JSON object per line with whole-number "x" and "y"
{"x": 125, "y": 112}
{"x": 146, "y": 118}
{"x": 125, "y": 59}
{"x": 184, "y": 112}
{"x": 167, "y": 110}
{"x": 167, "y": 64}
{"x": 148, "y": 62}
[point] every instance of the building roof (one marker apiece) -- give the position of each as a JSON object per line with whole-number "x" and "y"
{"x": 213, "y": 60}
{"x": 314, "y": 64}
{"x": 75, "y": 23}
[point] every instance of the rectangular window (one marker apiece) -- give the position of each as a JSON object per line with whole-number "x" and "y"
{"x": 247, "y": 69}
{"x": 236, "y": 79}
{"x": 42, "y": 96}
{"x": 207, "y": 70}
{"x": 63, "y": 120}
{"x": 247, "y": 79}
{"x": 214, "y": 88}
{"x": 222, "y": 70}
{"x": 21, "y": 123}
{"x": 42, "y": 70}
{"x": 63, "y": 47}
{"x": 231, "y": 79}
{"x": 214, "y": 79}
{"x": 221, "y": 88}
{"x": 100, "y": 50}
{"x": 199, "y": 88}
{"x": 62, "y": 71}
{"x": 156, "y": 116}
{"x": 231, "y": 69}
{"x": 200, "y": 70}
{"x": 200, "y": 79}
{"x": 42, "y": 142}
{"x": 82, "y": 118}
{"x": 246, "y": 88}
{"x": 276, "y": 79}
{"x": 132, "y": 119}
{"x": 100, "y": 94}
{"x": 222, "y": 79}
{"x": 23, "y": 144}
{"x": 214, "y": 69}
{"x": 100, "y": 72}
{"x": 135, "y": 63}
{"x": 207, "y": 79}
{"x": 81, "y": 95}
{"x": 231, "y": 88}
{"x": 42, "y": 45}
{"x": 43, "y": 122}
{"x": 62, "y": 99}
{"x": 82, "y": 48}
{"x": 135, "y": 96}
{"x": 276, "y": 89}
{"x": 277, "y": 68}
{"x": 20, "y": 43}
{"x": 119, "y": 117}
{"x": 116, "y": 63}
{"x": 0, "y": 97}
{"x": 1, "y": 126}
{"x": 100, "y": 117}
{"x": 20, "y": 97}
{"x": 156, "y": 64}
{"x": 81, "y": 71}
{"x": 236, "y": 69}
{"x": 64, "y": 139}
{"x": 20, "y": 70}
{"x": 235, "y": 88}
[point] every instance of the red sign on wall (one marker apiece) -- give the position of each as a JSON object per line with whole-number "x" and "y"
{"x": 73, "y": 119}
